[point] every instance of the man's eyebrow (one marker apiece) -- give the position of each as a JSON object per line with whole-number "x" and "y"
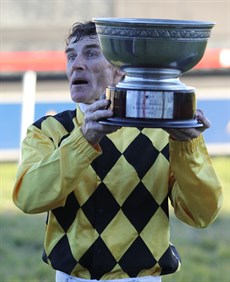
{"x": 93, "y": 45}
{"x": 88, "y": 46}
{"x": 68, "y": 50}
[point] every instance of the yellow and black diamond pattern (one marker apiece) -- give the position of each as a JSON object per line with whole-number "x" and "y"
{"x": 116, "y": 224}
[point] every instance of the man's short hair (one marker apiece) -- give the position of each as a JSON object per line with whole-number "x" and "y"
{"x": 81, "y": 29}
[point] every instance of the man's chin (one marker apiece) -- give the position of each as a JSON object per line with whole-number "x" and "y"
{"x": 81, "y": 100}
{"x": 78, "y": 97}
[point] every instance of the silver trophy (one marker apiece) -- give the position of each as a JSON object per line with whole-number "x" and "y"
{"x": 153, "y": 53}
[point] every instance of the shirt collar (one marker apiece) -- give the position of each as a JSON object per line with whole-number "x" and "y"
{"x": 80, "y": 113}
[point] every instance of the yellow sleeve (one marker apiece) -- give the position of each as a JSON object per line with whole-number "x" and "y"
{"x": 196, "y": 193}
{"x": 47, "y": 174}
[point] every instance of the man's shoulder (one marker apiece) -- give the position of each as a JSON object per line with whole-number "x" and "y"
{"x": 65, "y": 118}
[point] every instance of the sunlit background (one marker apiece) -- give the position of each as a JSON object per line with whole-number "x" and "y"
{"x": 33, "y": 83}
{"x": 33, "y": 37}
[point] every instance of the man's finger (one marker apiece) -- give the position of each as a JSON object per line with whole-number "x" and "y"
{"x": 99, "y": 104}
{"x": 202, "y": 119}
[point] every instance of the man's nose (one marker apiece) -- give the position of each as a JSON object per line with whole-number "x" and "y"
{"x": 79, "y": 62}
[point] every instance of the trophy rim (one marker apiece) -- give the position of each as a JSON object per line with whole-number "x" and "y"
{"x": 153, "y": 22}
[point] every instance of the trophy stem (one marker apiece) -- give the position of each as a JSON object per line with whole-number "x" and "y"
{"x": 152, "y": 79}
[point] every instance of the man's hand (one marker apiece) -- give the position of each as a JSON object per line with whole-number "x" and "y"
{"x": 91, "y": 128}
{"x": 187, "y": 134}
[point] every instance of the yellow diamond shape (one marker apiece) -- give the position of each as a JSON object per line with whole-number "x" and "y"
{"x": 156, "y": 179}
{"x": 157, "y": 239}
{"x": 158, "y": 137}
{"x": 122, "y": 180}
{"x": 124, "y": 137}
{"x": 81, "y": 235}
{"x": 119, "y": 235}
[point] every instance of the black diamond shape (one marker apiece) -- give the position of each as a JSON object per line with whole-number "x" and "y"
{"x": 165, "y": 207}
{"x": 141, "y": 154}
{"x": 101, "y": 208}
{"x": 137, "y": 258}
{"x": 169, "y": 261}
{"x": 139, "y": 207}
{"x": 165, "y": 152}
{"x": 98, "y": 260}
{"x": 103, "y": 164}
{"x": 61, "y": 256}
{"x": 66, "y": 215}
{"x": 66, "y": 119}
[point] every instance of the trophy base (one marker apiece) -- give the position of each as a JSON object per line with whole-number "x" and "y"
{"x": 152, "y": 108}
{"x": 147, "y": 123}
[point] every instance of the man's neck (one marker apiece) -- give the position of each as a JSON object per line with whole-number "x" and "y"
{"x": 82, "y": 107}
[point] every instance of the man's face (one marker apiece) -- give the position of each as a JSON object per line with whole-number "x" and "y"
{"x": 88, "y": 71}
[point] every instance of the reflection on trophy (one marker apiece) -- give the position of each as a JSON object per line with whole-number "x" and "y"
{"x": 153, "y": 53}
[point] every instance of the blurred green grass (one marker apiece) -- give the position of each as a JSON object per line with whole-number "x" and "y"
{"x": 205, "y": 252}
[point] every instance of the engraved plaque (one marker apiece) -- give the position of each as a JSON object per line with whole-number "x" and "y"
{"x": 149, "y": 104}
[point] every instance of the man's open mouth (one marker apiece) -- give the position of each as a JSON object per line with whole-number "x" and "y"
{"x": 79, "y": 82}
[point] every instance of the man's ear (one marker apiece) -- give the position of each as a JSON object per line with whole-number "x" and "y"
{"x": 118, "y": 75}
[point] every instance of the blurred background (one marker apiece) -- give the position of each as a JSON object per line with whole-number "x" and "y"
{"x": 33, "y": 83}
{"x": 33, "y": 37}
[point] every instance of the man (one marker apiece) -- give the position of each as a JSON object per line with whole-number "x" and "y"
{"x": 106, "y": 188}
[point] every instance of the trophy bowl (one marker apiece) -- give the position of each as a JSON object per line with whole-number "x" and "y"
{"x": 153, "y": 53}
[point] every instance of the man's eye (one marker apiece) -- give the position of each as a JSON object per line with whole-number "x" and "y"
{"x": 71, "y": 57}
{"x": 91, "y": 54}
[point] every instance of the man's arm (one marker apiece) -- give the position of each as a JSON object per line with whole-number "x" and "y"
{"x": 196, "y": 193}
{"x": 47, "y": 174}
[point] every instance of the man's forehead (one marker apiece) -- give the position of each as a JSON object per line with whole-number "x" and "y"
{"x": 84, "y": 42}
